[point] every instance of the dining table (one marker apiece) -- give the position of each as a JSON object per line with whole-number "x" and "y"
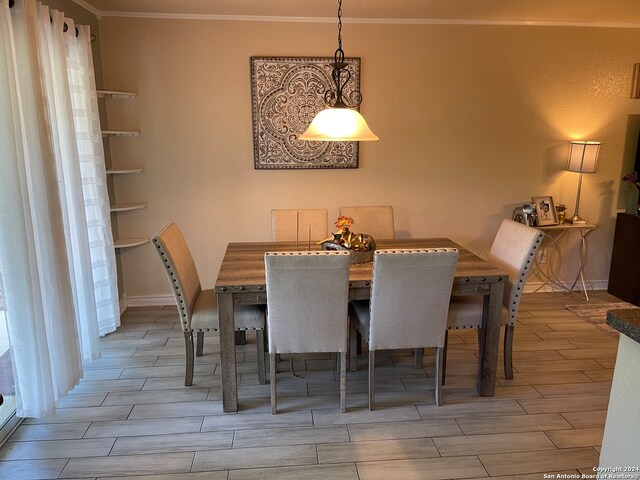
{"x": 242, "y": 281}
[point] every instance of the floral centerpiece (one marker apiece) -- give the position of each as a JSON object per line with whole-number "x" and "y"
{"x": 632, "y": 202}
{"x": 360, "y": 245}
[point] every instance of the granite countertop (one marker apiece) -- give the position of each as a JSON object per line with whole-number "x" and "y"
{"x": 626, "y": 321}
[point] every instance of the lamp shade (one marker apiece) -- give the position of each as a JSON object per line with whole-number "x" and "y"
{"x": 339, "y": 125}
{"x": 583, "y": 156}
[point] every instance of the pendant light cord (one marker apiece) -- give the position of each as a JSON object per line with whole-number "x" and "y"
{"x": 341, "y": 76}
{"x": 339, "y": 55}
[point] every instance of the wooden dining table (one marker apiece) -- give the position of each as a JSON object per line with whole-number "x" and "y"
{"x": 241, "y": 281}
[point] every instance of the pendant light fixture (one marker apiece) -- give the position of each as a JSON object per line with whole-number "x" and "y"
{"x": 340, "y": 121}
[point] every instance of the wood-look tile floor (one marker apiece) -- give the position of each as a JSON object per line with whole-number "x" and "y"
{"x": 132, "y": 417}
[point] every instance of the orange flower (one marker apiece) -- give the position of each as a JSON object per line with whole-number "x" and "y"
{"x": 344, "y": 222}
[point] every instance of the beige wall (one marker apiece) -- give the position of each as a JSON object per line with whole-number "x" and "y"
{"x": 473, "y": 121}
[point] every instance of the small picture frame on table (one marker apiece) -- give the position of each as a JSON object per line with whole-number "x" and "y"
{"x": 545, "y": 211}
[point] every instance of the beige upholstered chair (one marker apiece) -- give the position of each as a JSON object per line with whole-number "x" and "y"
{"x": 375, "y": 221}
{"x": 198, "y": 308}
{"x": 513, "y": 250}
{"x": 307, "y": 221}
{"x": 410, "y": 293}
{"x": 307, "y": 298}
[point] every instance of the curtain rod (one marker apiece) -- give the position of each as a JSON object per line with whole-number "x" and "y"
{"x": 65, "y": 28}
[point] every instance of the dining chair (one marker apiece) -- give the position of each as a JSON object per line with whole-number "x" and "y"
{"x": 376, "y": 221}
{"x": 410, "y": 293}
{"x": 513, "y": 250}
{"x": 307, "y": 298}
{"x": 198, "y": 309}
{"x": 289, "y": 225}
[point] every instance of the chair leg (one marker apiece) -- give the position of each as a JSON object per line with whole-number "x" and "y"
{"x": 444, "y": 356}
{"x": 353, "y": 346}
{"x": 262, "y": 367}
{"x": 438, "y": 370}
{"x": 188, "y": 346}
{"x": 241, "y": 337}
{"x": 343, "y": 382}
{"x": 272, "y": 381}
{"x": 372, "y": 386}
{"x": 199, "y": 343}
{"x": 508, "y": 351}
{"x": 418, "y": 355}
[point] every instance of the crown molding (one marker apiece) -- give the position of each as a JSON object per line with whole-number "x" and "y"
{"x": 373, "y": 21}
{"x": 89, "y": 7}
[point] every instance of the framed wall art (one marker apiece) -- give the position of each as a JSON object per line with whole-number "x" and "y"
{"x": 545, "y": 211}
{"x": 286, "y": 93}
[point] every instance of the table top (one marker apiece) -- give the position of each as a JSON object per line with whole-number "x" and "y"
{"x": 243, "y": 263}
{"x": 568, "y": 226}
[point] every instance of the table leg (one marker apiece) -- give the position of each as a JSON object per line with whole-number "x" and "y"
{"x": 583, "y": 260}
{"x": 582, "y": 264}
{"x": 489, "y": 340}
{"x": 227, "y": 353}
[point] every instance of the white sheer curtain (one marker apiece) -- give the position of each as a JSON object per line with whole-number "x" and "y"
{"x": 46, "y": 254}
{"x": 82, "y": 86}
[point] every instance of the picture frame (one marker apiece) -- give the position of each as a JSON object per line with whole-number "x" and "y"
{"x": 286, "y": 93}
{"x": 545, "y": 211}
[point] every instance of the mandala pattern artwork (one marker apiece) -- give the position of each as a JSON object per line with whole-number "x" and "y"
{"x": 286, "y": 93}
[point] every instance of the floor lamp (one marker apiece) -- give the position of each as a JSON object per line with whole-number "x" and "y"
{"x": 583, "y": 158}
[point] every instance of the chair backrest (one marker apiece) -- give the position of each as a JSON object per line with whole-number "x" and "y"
{"x": 410, "y": 294}
{"x": 284, "y": 223}
{"x": 307, "y": 300}
{"x": 513, "y": 250}
{"x": 180, "y": 269}
{"x": 375, "y": 221}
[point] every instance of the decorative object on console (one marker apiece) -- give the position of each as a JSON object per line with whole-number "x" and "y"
{"x": 360, "y": 245}
{"x": 284, "y": 99}
{"x": 340, "y": 121}
{"x": 545, "y": 211}
{"x": 525, "y": 214}
{"x": 632, "y": 204}
{"x": 561, "y": 211}
{"x": 583, "y": 158}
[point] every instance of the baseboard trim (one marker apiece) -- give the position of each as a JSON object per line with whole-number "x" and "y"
{"x": 539, "y": 287}
{"x": 150, "y": 300}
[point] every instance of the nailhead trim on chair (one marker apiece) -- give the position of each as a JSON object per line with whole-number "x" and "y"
{"x": 307, "y": 254}
{"x": 523, "y": 275}
{"x": 414, "y": 250}
{"x": 174, "y": 285}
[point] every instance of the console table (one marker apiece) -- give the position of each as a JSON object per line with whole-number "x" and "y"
{"x": 550, "y": 257}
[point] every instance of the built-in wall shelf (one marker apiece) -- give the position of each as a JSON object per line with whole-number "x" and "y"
{"x": 120, "y": 133}
{"x": 127, "y": 207}
{"x": 129, "y": 242}
{"x": 115, "y": 94}
{"x": 123, "y": 171}
{"x": 116, "y": 207}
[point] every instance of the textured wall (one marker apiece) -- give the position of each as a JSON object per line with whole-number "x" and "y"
{"x": 473, "y": 120}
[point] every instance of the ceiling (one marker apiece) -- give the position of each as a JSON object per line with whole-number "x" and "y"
{"x": 623, "y": 13}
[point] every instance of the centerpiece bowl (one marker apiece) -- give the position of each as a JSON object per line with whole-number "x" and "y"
{"x": 360, "y": 246}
